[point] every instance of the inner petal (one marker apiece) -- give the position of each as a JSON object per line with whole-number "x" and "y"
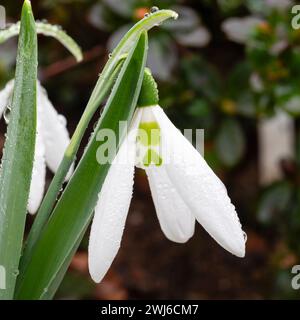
{"x": 148, "y": 140}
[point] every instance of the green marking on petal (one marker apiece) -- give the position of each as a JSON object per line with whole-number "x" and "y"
{"x": 149, "y": 134}
{"x": 152, "y": 157}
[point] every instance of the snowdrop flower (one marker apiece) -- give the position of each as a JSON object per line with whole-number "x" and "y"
{"x": 183, "y": 187}
{"x": 52, "y": 139}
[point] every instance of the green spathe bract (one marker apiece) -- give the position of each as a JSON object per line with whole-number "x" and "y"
{"x": 149, "y": 94}
{"x": 71, "y": 216}
{"x": 17, "y": 161}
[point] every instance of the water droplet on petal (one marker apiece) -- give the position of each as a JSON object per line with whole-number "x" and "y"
{"x": 62, "y": 120}
{"x": 245, "y": 236}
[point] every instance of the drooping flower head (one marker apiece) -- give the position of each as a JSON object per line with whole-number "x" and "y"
{"x": 184, "y": 188}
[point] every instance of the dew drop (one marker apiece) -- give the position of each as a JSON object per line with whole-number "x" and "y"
{"x": 154, "y": 9}
{"x": 109, "y": 55}
{"x": 245, "y": 236}
{"x": 146, "y": 15}
{"x": 6, "y": 114}
{"x": 62, "y": 120}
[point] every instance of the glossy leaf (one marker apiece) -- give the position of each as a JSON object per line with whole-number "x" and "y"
{"x": 273, "y": 202}
{"x": 17, "y": 161}
{"x": 47, "y": 30}
{"x": 230, "y": 142}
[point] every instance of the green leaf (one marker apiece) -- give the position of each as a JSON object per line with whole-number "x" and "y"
{"x": 230, "y": 142}
{"x": 273, "y": 202}
{"x": 56, "y": 32}
{"x": 18, "y": 155}
{"x": 56, "y": 184}
{"x": 71, "y": 216}
{"x": 76, "y": 286}
{"x": 47, "y": 30}
{"x": 202, "y": 77}
{"x": 238, "y": 80}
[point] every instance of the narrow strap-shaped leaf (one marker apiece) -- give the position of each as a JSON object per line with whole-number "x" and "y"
{"x": 56, "y": 183}
{"x": 74, "y": 210}
{"x": 99, "y": 93}
{"x": 17, "y": 161}
{"x": 49, "y": 30}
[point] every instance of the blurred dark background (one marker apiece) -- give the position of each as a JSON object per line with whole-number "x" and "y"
{"x": 230, "y": 67}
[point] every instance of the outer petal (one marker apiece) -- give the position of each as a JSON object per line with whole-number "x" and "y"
{"x": 112, "y": 208}
{"x": 54, "y": 130}
{"x": 5, "y": 95}
{"x": 175, "y": 218}
{"x": 37, "y": 186}
{"x": 200, "y": 188}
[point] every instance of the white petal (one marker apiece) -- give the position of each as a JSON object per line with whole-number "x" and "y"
{"x": 112, "y": 208}
{"x": 175, "y": 218}
{"x": 200, "y": 188}
{"x": 37, "y": 185}
{"x": 54, "y": 130}
{"x": 5, "y": 96}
